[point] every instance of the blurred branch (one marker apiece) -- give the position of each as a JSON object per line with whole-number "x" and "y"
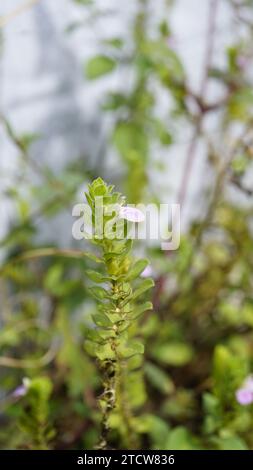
{"x": 221, "y": 179}
{"x": 239, "y": 15}
{"x": 212, "y": 13}
{"x": 55, "y": 184}
{"x": 5, "y": 301}
{"x": 17, "y": 141}
{"x": 216, "y": 194}
{"x": 59, "y": 192}
{"x": 236, "y": 182}
{"x": 23, "y": 325}
{"x": 191, "y": 153}
{"x": 4, "y": 20}
{"x": 203, "y": 105}
{"x": 45, "y": 252}
{"x": 42, "y": 252}
{"x": 31, "y": 363}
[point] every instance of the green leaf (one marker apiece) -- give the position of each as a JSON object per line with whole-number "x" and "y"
{"x": 145, "y": 285}
{"x": 100, "y": 190}
{"x": 175, "y": 354}
{"x": 89, "y": 200}
{"x": 231, "y": 443}
{"x": 84, "y": 2}
{"x": 154, "y": 426}
{"x": 165, "y": 59}
{"x": 114, "y": 101}
{"x": 229, "y": 371}
{"x": 137, "y": 269}
{"x": 181, "y": 439}
{"x": 128, "y": 137}
{"x": 105, "y": 352}
{"x": 98, "y": 292}
{"x": 114, "y": 42}
{"x": 240, "y": 105}
{"x": 101, "y": 320}
{"x": 240, "y": 164}
{"x": 93, "y": 257}
{"x": 42, "y": 386}
{"x": 114, "y": 317}
{"x": 95, "y": 276}
{"x": 105, "y": 334}
{"x": 210, "y": 403}
{"x": 130, "y": 348}
{"x": 139, "y": 309}
{"x": 162, "y": 132}
{"x": 54, "y": 280}
{"x": 91, "y": 348}
{"x": 99, "y": 66}
{"x": 93, "y": 335}
{"x": 158, "y": 378}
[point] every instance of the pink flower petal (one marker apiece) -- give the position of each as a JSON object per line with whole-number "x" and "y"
{"x": 131, "y": 214}
{"x": 19, "y": 391}
{"x": 244, "y": 396}
{"x": 147, "y": 272}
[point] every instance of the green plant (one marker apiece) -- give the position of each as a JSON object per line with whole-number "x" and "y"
{"x": 112, "y": 341}
{"x": 34, "y": 420}
{"x": 182, "y": 393}
{"x": 154, "y": 64}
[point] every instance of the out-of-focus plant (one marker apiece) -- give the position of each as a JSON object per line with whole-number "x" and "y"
{"x": 155, "y": 69}
{"x": 190, "y": 388}
{"x": 34, "y": 420}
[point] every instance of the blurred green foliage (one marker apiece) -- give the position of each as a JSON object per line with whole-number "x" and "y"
{"x": 198, "y": 340}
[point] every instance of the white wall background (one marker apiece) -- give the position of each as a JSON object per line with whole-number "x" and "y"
{"x": 43, "y": 89}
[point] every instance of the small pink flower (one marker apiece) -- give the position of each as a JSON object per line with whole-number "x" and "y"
{"x": 21, "y": 390}
{"x": 147, "y": 272}
{"x": 131, "y": 214}
{"x": 243, "y": 61}
{"x": 244, "y": 396}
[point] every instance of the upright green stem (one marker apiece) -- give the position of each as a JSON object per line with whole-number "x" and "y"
{"x": 110, "y": 342}
{"x": 113, "y": 377}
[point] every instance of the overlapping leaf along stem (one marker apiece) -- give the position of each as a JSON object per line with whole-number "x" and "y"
{"x": 111, "y": 340}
